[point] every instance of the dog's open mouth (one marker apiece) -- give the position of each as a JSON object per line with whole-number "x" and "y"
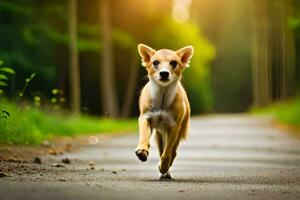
{"x": 164, "y": 79}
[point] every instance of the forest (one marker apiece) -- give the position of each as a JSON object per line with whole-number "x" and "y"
{"x": 72, "y": 66}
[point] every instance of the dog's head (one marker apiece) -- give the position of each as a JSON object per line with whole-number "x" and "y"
{"x": 165, "y": 66}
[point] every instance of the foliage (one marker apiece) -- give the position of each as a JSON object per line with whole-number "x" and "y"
{"x": 23, "y": 42}
{"x": 123, "y": 39}
{"x": 289, "y": 113}
{"x": 4, "y": 73}
{"x": 196, "y": 77}
{"x": 293, "y": 22}
{"x": 31, "y": 39}
{"x": 27, "y": 81}
{"x": 30, "y": 125}
{"x": 34, "y": 39}
{"x": 286, "y": 112}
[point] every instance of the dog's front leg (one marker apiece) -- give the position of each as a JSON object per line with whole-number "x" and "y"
{"x": 165, "y": 160}
{"x": 142, "y": 150}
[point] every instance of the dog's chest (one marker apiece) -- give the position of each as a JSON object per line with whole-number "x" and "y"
{"x": 161, "y": 120}
{"x": 162, "y": 97}
{"x": 161, "y": 116}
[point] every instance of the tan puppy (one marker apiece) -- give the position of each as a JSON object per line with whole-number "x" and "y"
{"x": 164, "y": 106}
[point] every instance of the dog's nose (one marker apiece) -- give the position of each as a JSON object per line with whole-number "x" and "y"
{"x": 164, "y": 74}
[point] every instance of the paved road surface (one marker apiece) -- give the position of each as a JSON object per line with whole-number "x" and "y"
{"x": 225, "y": 157}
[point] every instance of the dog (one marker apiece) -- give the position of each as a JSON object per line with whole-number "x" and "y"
{"x": 163, "y": 104}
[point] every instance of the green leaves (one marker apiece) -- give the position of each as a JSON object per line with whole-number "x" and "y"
{"x": 30, "y": 78}
{"x": 55, "y": 91}
{"x": 37, "y": 100}
{"x": 3, "y": 76}
{"x": 293, "y": 22}
{"x": 2, "y": 83}
{"x": 4, "y": 114}
{"x": 123, "y": 39}
{"x": 27, "y": 81}
{"x": 7, "y": 70}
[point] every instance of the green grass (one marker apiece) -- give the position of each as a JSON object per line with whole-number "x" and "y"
{"x": 287, "y": 112}
{"x": 30, "y": 125}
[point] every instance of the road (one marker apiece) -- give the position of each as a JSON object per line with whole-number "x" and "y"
{"x": 226, "y": 157}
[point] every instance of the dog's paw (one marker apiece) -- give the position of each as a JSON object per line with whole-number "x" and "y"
{"x": 166, "y": 176}
{"x": 142, "y": 154}
{"x": 164, "y": 165}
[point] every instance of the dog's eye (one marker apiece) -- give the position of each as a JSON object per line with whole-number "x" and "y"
{"x": 173, "y": 63}
{"x": 155, "y": 63}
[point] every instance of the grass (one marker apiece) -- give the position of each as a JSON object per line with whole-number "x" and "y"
{"x": 30, "y": 125}
{"x": 287, "y": 112}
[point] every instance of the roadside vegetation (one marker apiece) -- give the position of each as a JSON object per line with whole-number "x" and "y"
{"x": 30, "y": 125}
{"x": 287, "y": 112}
{"x": 31, "y": 122}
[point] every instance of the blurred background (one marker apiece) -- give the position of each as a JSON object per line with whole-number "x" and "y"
{"x": 82, "y": 56}
{"x": 70, "y": 76}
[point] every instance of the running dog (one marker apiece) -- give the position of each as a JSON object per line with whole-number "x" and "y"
{"x": 163, "y": 103}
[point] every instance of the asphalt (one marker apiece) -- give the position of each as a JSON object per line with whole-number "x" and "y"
{"x": 225, "y": 157}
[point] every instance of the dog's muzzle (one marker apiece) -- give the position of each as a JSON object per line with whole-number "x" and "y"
{"x": 164, "y": 75}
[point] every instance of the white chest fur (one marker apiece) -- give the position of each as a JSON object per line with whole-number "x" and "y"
{"x": 160, "y": 116}
{"x": 162, "y": 96}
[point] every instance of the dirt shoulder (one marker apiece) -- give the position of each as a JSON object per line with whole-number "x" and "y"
{"x": 22, "y": 159}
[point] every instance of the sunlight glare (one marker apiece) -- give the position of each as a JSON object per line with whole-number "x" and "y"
{"x": 180, "y": 11}
{"x": 93, "y": 140}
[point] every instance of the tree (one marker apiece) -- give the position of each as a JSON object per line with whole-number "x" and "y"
{"x": 260, "y": 64}
{"x": 108, "y": 91}
{"x": 74, "y": 61}
{"x": 131, "y": 86}
{"x": 273, "y": 52}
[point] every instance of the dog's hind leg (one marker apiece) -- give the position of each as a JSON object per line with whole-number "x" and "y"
{"x": 174, "y": 151}
{"x": 166, "y": 157}
{"x": 160, "y": 140}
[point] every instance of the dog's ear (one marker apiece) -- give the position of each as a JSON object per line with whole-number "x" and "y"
{"x": 146, "y": 53}
{"x": 185, "y": 54}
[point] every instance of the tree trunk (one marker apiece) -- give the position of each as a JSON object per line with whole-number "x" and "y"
{"x": 74, "y": 61}
{"x": 273, "y": 52}
{"x": 261, "y": 54}
{"x": 286, "y": 58}
{"x": 131, "y": 85}
{"x": 108, "y": 91}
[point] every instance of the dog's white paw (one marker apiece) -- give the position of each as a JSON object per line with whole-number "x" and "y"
{"x": 166, "y": 176}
